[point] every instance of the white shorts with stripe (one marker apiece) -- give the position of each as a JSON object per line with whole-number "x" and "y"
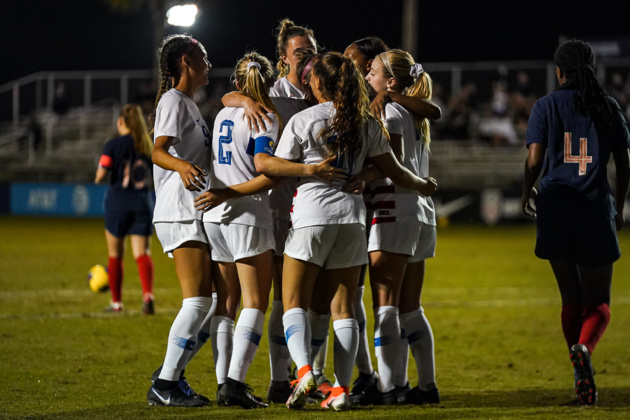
{"x": 412, "y": 237}
{"x": 233, "y": 242}
{"x": 173, "y": 234}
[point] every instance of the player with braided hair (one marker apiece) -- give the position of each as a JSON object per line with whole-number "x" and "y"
{"x": 181, "y": 161}
{"x": 570, "y": 136}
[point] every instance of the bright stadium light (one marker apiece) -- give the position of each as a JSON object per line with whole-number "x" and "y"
{"x": 182, "y": 15}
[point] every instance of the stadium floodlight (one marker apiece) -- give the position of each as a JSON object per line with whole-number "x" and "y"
{"x": 182, "y": 15}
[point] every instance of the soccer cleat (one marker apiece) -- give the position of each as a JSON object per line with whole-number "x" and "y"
{"x": 401, "y": 390}
{"x": 338, "y": 399}
{"x": 585, "y": 383}
{"x": 364, "y": 382}
{"x": 323, "y": 384}
{"x": 418, "y": 397}
{"x": 278, "y": 391}
{"x": 147, "y": 307}
{"x": 114, "y": 307}
{"x": 183, "y": 385}
{"x": 233, "y": 392}
{"x": 373, "y": 396}
{"x": 302, "y": 387}
{"x": 173, "y": 397}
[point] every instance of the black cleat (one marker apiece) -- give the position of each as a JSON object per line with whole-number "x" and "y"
{"x": 585, "y": 383}
{"x": 233, "y": 393}
{"x": 402, "y": 390}
{"x": 173, "y": 397}
{"x": 148, "y": 307}
{"x": 418, "y": 397}
{"x": 278, "y": 392}
{"x": 365, "y": 382}
{"x": 373, "y": 396}
{"x": 183, "y": 385}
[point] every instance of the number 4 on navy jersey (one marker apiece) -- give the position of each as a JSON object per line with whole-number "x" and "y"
{"x": 582, "y": 159}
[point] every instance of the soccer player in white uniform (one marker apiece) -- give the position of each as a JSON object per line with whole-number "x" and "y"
{"x": 402, "y": 237}
{"x": 281, "y": 197}
{"x": 181, "y": 160}
{"x": 327, "y": 222}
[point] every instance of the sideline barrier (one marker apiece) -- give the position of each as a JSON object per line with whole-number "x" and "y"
{"x": 57, "y": 199}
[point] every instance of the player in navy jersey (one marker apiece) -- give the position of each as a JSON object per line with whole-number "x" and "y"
{"x": 570, "y": 136}
{"x": 128, "y": 207}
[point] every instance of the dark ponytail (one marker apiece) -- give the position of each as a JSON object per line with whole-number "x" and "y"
{"x": 576, "y": 61}
{"x": 173, "y": 47}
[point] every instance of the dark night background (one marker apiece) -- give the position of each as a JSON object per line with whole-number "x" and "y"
{"x": 41, "y": 35}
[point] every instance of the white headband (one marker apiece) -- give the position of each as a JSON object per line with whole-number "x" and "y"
{"x": 253, "y": 64}
{"x": 416, "y": 70}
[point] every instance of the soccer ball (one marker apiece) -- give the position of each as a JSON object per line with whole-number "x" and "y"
{"x": 98, "y": 279}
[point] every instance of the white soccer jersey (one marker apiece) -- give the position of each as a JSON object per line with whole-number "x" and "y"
{"x": 281, "y": 196}
{"x": 285, "y": 89}
{"x": 177, "y": 116}
{"x": 393, "y": 203}
{"x": 233, "y": 150}
{"x": 317, "y": 203}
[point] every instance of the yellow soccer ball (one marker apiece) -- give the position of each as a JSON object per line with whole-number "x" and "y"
{"x": 98, "y": 279}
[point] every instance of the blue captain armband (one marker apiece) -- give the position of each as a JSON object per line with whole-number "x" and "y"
{"x": 260, "y": 145}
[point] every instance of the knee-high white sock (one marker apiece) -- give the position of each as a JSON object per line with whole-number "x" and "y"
{"x": 346, "y": 343}
{"x": 222, "y": 333}
{"x": 247, "y": 335}
{"x": 204, "y": 331}
{"x": 297, "y": 332}
{"x": 279, "y": 356}
{"x": 183, "y": 335}
{"x": 364, "y": 360}
{"x": 420, "y": 339}
{"x": 386, "y": 339}
{"x": 401, "y": 378}
{"x": 320, "y": 324}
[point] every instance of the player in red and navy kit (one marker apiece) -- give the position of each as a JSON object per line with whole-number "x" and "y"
{"x": 128, "y": 206}
{"x": 570, "y": 136}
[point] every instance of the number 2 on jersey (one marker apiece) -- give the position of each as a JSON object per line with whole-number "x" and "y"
{"x": 582, "y": 159}
{"x": 225, "y": 156}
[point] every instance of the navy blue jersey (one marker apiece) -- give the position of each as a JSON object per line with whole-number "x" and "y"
{"x": 577, "y": 155}
{"x": 129, "y": 175}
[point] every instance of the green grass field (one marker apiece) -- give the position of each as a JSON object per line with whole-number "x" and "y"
{"x": 493, "y": 306}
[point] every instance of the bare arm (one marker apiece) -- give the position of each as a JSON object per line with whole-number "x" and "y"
{"x": 398, "y": 147}
{"x": 421, "y": 107}
{"x": 275, "y": 166}
{"x": 192, "y": 175}
{"x": 402, "y": 176}
{"x": 100, "y": 175}
{"x": 255, "y": 113}
{"x": 533, "y": 166}
{"x": 216, "y": 196}
{"x": 622, "y": 174}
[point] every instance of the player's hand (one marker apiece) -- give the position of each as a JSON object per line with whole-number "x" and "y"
{"x": 192, "y": 176}
{"x": 377, "y": 107}
{"x": 355, "y": 185}
{"x": 429, "y": 188}
{"x": 256, "y": 115}
{"x": 329, "y": 174}
{"x": 620, "y": 221}
{"x": 528, "y": 203}
{"x": 211, "y": 198}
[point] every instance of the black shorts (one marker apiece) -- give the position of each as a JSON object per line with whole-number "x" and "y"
{"x": 572, "y": 228}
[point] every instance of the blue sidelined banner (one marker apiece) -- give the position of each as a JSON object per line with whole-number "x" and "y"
{"x": 57, "y": 199}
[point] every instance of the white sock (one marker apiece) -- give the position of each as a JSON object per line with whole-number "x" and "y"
{"x": 183, "y": 335}
{"x": 386, "y": 339}
{"x": 420, "y": 339}
{"x": 279, "y": 356}
{"x": 247, "y": 335}
{"x": 401, "y": 377}
{"x": 320, "y": 324}
{"x": 297, "y": 331}
{"x": 204, "y": 331}
{"x": 364, "y": 360}
{"x": 222, "y": 333}
{"x": 346, "y": 343}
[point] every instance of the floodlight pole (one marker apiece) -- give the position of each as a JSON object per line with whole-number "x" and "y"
{"x": 410, "y": 27}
